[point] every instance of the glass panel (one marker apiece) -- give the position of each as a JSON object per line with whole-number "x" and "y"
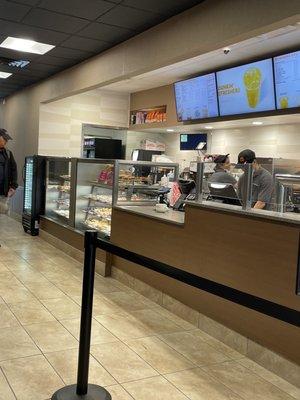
{"x": 145, "y": 183}
{"x": 58, "y": 189}
{"x": 225, "y": 184}
{"x": 94, "y": 196}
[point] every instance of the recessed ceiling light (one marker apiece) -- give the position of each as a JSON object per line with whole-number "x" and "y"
{"x": 28, "y": 46}
{"x": 257, "y": 123}
{"x": 4, "y": 75}
{"x": 170, "y": 130}
{"x": 208, "y": 127}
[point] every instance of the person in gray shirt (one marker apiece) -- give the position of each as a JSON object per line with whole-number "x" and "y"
{"x": 222, "y": 174}
{"x": 263, "y": 184}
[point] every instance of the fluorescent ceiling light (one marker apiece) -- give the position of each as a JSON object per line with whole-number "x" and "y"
{"x": 257, "y": 123}
{"x": 28, "y": 46}
{"x": 4, "y": 75}
{"x": 170, "y": 130}
{"x": 208, "y": 127}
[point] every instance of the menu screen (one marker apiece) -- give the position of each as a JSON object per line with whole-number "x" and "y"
{"x": 247, "y": 88}
{"x": 287, "y": 80}
{"x": 196, "y": 98}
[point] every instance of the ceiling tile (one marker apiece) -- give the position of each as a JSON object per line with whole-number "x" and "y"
{"x": 13, "y": 11}
{"x": 51, "y": 20}
{"x": 81, "y": 43}
{"x": 130, "y": 18}
{"x": 105, "y": 32}
{"x": 91, "y": 9}
{"x": 166, "y": 7}
{"x": 8, "y": 28}
{"x": 39, "y": 66}
{"x": 28, "y": 2}
{"x": 60, "y": 62}
{"x": 17, "y": 55}
{"x": 69, "y": 53}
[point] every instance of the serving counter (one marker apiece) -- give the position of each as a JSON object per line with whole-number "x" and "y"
{"x": 251, "y": 251}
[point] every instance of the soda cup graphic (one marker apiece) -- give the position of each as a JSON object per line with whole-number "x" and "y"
{"x": 252, "y": 82}
{"x": 284, "y": 102}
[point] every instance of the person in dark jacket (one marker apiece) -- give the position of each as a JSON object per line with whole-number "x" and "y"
{"x": 8, "y": 167}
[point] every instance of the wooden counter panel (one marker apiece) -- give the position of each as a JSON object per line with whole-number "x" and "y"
{"x": 68, "y": 236}
{"x": 273, "y": 334}
{"x": 254, "y": 256}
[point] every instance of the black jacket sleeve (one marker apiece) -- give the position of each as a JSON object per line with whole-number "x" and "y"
{"x": 13, "y": 172}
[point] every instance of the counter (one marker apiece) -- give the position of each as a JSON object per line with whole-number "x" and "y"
{"x": 251, "y": 251}
{"x": 171, "y": 216}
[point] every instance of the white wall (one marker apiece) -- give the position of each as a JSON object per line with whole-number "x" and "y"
{"x": 280, "y": 141}
{"x": 60, "y": 126}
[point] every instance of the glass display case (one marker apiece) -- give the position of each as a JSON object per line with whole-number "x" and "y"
{"x": 94, "y": 195}
{"x": 58, "y": 188}
{"x": 143, "y": 183}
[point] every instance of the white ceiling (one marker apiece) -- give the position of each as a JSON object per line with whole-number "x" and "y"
{"x": 275, "y": 41}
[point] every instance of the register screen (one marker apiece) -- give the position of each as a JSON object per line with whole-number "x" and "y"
{"x": 247, "y": 88}
{"x": 287, "y": 80}
{"x": 196, "y": 98}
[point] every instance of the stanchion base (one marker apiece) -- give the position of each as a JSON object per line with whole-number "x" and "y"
{"x": 69, "y": 393}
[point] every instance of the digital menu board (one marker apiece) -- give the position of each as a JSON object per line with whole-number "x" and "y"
{"x": 246, "y": 89}
{"x": 196, "y": 98}
{"x": 287, "y": 80}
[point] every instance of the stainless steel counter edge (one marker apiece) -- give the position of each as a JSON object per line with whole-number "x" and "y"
{"x": 289, "y": 218}
{"x": 171, "y": 216}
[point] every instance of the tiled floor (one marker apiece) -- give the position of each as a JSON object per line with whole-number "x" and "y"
{"x": 139, "y": 350}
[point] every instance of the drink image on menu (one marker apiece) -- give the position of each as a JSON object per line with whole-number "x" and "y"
{"x": 284, "y": 102}
{"x": 252, "y": 82}
{"x": 246, "y": 88}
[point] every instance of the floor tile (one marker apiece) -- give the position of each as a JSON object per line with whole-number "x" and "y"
{"x": 216, "y": 344}
{"x": 65, "y": 364}
{"x": 16, "y": 294}
{"x": 118, "y": 393}
{"x": 5, "y": 390}
{"x": 154, "y": 322}
{"x": 62, "y": 308}
{"x": 30, "y": 276}
{"x": 44, "y": 291}
{"x": 31, "y": 312}
{"x": 160, "y": 356}
{"x": 32, "y": 378}
{"x": 177, "y": 320}
{"x": 128, "y": 301}
{"x": 157, "y": 388}
{"x": 194, "y": 348}
{"x": 100, "y": 305}
{"x": 99, "y": 333}
{"x": 123, "y": 326}
{"x": 7, "y": 318}
{"x": 197, "y": 385}
{"x": 121, "y": 362}
{"x": 51, "y": 336}
{"x": 271, "y": 377}
{"x": 15, "y": 342}
{"x": 242, "y": 381}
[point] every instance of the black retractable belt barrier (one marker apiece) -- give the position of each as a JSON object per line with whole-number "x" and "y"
{"x": 82, "y": 390}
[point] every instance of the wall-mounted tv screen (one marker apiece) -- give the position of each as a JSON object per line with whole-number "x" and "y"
{"x": 196, "y": 98}
{"x": 193, "y": 141}
{"x": 246, "y": 89}
{"x": 287, "y": 80}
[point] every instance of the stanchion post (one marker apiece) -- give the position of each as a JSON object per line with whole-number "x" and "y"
{"x": 82, "y": 390}
{"x": 90, "y": 240}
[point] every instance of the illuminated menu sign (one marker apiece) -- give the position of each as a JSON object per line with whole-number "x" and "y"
{"x": 246, "y": 89}
{"x": 287, "y": 80}
{"x": 196, "y": 98}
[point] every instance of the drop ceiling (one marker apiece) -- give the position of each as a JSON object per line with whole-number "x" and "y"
{"x": 79, "y": 29}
